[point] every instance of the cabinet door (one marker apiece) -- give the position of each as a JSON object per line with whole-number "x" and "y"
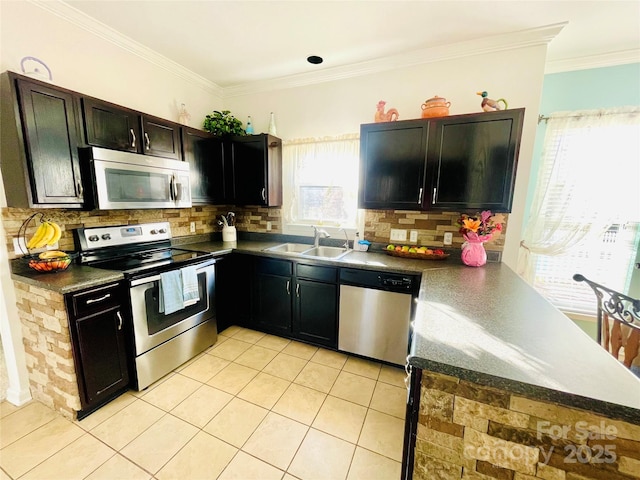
{"x": 110, "y": 126}
{"x": 102, "y": 354}
{"x": 205, "y": 154}
{"x": 234, "y": 291}
{"x": 161, "y": 138}
{"x": 474, "y": 159}
{"x": 392, "y": 164}
{"x": 49, "y": 118}
{"x": 316, "y": 318}
{"x": 273, "y": 309}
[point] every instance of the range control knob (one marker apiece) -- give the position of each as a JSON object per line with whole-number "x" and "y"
{"x": 153, "y": 232}
{"x": 163, "y": 230}
{"x": 94, "y": 238}
{"x": 106, "y": 236}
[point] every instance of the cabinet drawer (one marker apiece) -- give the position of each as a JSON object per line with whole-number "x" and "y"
{"x": 274, "y": 267}
{"x": 96, "y": 300}
{"x": 314, "y": 272}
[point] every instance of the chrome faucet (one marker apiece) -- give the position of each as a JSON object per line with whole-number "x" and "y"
{"x": 346, "y": 235}
{"x": 317, "y": 232}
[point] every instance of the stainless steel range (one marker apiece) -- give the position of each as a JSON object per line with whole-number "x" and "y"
{"x": 164, "y": 337}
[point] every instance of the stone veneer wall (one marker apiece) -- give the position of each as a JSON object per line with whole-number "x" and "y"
{"x": 469, "y": 431}
{"x": 48, "y": 348}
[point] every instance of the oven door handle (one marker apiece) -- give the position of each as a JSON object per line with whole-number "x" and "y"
{"x": 156, "y": 278}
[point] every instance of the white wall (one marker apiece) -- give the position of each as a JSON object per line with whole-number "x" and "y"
{"x": 88, "y": 64}
{"x": 341, "y": 106}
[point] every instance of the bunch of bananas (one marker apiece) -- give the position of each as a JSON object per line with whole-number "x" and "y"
{"x": 48, "y": 233}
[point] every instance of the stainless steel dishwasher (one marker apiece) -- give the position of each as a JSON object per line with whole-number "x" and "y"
{"x": 376, "y": 309}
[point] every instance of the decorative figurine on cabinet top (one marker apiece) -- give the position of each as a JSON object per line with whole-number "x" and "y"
{"x": 489, "y": 105}
{"x": 390, "y": 116}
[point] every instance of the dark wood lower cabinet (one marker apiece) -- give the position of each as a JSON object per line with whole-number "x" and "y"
{"x": 97, "y": 321}
{"x": 316, "y": 307}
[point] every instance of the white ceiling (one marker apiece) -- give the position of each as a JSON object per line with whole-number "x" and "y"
{"x": 231, "y": 43}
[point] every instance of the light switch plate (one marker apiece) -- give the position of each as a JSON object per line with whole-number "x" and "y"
{"x": 192, "y": 227}
{"x": 413, "y": 236}
{"x": 398, "y": 235}
{"x": 268, "y": 226}
{"x": 448, "y": 238}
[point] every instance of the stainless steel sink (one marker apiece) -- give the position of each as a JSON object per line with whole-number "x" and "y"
{"x": 289, "y": 248}
{"x": 326, "y": 252}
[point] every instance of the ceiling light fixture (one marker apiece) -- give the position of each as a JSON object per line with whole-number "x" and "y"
{"x": 315, "y": 59}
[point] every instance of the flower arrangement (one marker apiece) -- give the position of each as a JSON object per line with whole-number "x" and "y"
{"x": 481, "y": 227}
{"x": 223, "y": 123}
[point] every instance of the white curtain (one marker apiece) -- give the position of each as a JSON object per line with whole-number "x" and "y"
{"x": 326, "y": 162}
{"x": 589, "y": 179}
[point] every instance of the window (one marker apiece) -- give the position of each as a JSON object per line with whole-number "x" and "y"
{"x": 321, "y": 183}
{"x": 586, "y": 207}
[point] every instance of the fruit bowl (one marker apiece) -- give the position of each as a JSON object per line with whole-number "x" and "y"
{"x": 417, "y": 256}
{"x": 57, "y": 263}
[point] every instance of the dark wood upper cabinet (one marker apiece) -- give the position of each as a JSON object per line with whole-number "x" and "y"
{"x": 40, "y": 163}
{"x": 109, "y": 126}
{"x": 161, "y": 138}
{"x": 255, "y": 170}
{"x": 457, "y": 163}
{"x": 205, "y": 154}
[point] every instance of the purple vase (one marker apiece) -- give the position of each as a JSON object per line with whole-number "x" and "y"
{"x": 473, "y": 252}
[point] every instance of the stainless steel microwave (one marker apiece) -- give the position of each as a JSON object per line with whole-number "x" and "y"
{"x": 123, "y": 180}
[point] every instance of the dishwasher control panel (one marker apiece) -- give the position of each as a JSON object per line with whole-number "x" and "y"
{"x": 392, "y": 282}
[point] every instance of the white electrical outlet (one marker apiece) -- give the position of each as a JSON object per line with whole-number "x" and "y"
{"x": 192, "y": 227}
{"x": 398, "y": 235}
{"x": 413, "y": 236}
{"x": 448, "y": 238}
{"x": 19, "y": 246}
{"x": 268, "y": 226}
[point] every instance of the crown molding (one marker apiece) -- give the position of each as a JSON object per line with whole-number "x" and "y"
{"x": 495, "y": 43}
{"x": 80, "y": 19}
{"x": 593, "y": 61}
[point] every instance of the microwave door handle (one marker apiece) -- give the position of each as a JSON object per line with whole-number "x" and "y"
{"x": 172, "y": 192}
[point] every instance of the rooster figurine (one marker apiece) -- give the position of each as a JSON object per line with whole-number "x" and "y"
{"x": 390, "y": 116}
{"x": 489, "y": 105}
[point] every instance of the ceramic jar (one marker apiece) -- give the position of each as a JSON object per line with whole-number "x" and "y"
{"x": 435, "y": 107}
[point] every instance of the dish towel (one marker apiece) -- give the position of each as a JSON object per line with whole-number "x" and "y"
{"x": 171, "y": 292}
{"x": 190, "y": 293}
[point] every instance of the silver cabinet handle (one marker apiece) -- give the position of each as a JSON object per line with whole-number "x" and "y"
{"x": 133, "y": 136}
{"x": 94, "y": 300}
{"x": 264, "y": 195}
{"x": 288, "y": 287}
{"x": 433, "y": 200}
{"x": 147, "y": 141}
{"x": 119, "y": 320}
{"x": 420, "y": 196}
{"x": 297, "y": 290}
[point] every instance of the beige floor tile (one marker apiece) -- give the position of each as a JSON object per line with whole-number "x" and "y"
{"x": 204, "y": 368}
{"x": 189, "y": 362}
{"x": 264, "y": 390}
{"x": 392, "y": 375}
{"x": 233, "y": 378}
{"x": 204, "y": 457}
{"x": 389, "y": 399}
{"x": 340, "y": 418}
{"x": 32, "y": 449}
{"x": 329, "y": 358}
{"x": 288, "y": 477}
{"x": 368, "y": 465}
{"x": 118, "y": 467}
{"x": 170, "y": 393}
{"x": 256, "y": 357}
{"x": 285, "y": 366}
{"x": 300, "y": 403}
{"x": 75, "y": 461}
{"x": 202, "y": 405}
{"x": 322, "y": 456}
{"x": 122, "y": 427}
{"x": 249, "y": 336}
{"x": 362, "y": 367}
{"x": 7, "y": 408}
{"x": 276, "y": 440}
{"x": 273, "y": 342}
{"x": 154, "y": 385}
{"x": 319, "y": 377}
{"x": 301, "y": 350}
{"x": 111, "y": 408}
{"x": 4, "y": 476}
{"x": 161, "y": 441}
{"x": 383, "y": 434}
{"x": 246, "y": 467}
{"x": 354, "y": 388}
{"x": 230, "y": 331}
{"x": 229, "y": 350}
{"x": 24, "y": 421}
{"x": 236, "y": 422}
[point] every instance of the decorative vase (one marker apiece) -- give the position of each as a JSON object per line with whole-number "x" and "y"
{"x": 473, "y": 252}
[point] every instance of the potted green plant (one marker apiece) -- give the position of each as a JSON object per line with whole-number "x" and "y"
{"x": 223, "y": 123}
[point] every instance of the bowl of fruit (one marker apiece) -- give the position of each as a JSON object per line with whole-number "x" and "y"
{"x": 417, "y": 252}
{"x": 46, "y": 235}
{"x": 50, "y": 261}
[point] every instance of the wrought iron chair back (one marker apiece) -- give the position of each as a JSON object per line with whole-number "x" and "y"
{"x": 622, "y": 310}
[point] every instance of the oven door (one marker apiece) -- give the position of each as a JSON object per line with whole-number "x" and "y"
{"x": 151, "y": 327}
